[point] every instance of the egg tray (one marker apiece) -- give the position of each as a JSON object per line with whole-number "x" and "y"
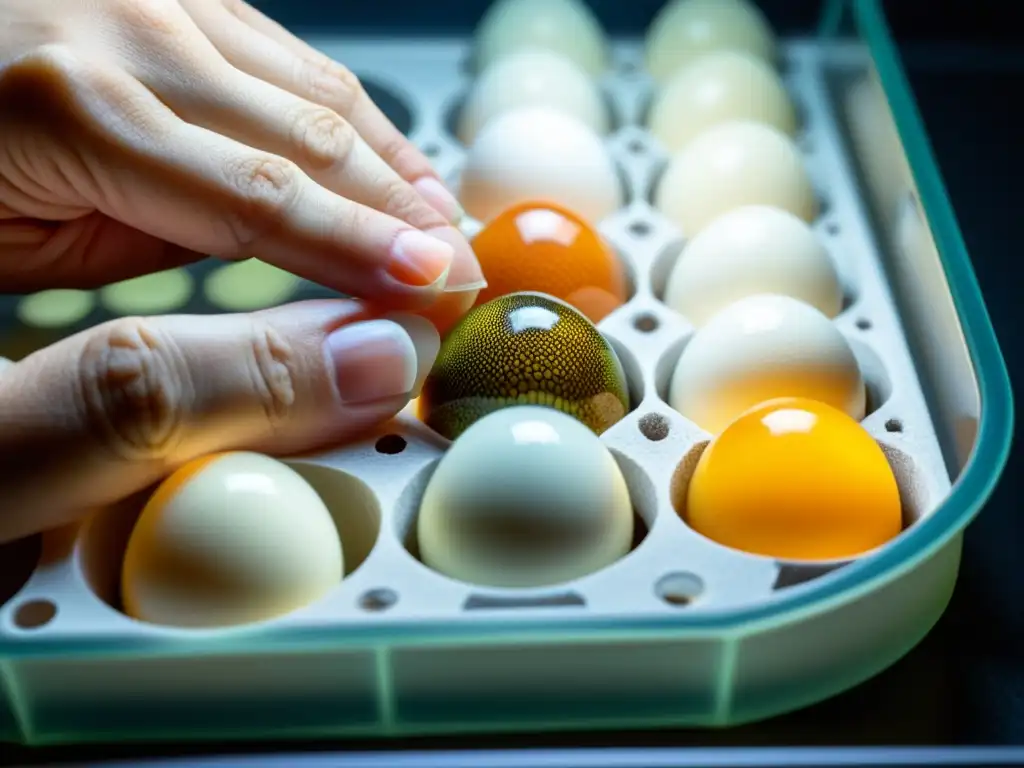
{"x": 681, "y": 631}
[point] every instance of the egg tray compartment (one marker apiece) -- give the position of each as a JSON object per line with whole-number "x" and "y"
{"x": 681, "y": 631}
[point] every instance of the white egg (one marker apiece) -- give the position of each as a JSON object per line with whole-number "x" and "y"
{"x": 534, "y": 154}
{"x": 229, "y": 539}
{"x": 760, "y": 348}
{"x": 533, "y": 78}
{"x": 718, "y": 88}
{"x": 526, "y": 497}
{"x": 731, "y": 165}
{"x": 686, "y": 29}
{"x": 750, "y": 250}
{"x": 567, "y": 27}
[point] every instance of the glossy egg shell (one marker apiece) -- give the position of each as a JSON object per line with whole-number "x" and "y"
{"x": 795, "y": 479}
{"x": 229, "y": 539}
{"x": 527, "y": 496}
{"x": 524, "y": 349}
{"x": 546, "y": 248}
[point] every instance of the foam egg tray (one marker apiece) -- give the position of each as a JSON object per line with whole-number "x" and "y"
{"x": 681, "y": 631}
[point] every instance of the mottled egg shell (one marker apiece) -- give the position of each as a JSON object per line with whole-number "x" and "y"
{"x": 718, "y": 88}
{"x": 750, "y": 250}
{"x": 532, "y": 78}
{"x": 526, "y": 497}
{"x": 539, "y": 154}
{"x": 228, "y": 539}
{"x": 731, "y": 165}
{"x": 760, "y": 348}
{"x": 567, "y": 27}
{"x": 524, "y": 349}
{"x": 686, "y": 29}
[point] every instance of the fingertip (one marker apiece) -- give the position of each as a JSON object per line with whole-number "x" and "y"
{"x": 425, "y": 338}
{"x": 465, "y": 274}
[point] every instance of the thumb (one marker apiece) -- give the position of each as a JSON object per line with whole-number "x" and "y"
{"x": 114, "y": 409}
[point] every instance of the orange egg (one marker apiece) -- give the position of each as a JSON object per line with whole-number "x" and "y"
{"x": 545, "y": 248}
{"x": 795, "y": 479}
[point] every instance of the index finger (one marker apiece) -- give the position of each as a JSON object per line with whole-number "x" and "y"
{"x": 134, "y": 160}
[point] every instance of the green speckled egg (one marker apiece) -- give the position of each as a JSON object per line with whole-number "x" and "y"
{"x": 524, "y": 349}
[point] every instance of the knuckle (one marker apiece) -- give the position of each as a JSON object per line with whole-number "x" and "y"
{"x": 273, "y": 365}
{"x": 148, "y": 16}
{"x": 136, "y": 389}
{"x": 45, "y": 75}
{"x": 322, "y": 138}
{"x": 402, "y": 202}
{"x": 265, "y": 189}
{"x": 332, "y": 84}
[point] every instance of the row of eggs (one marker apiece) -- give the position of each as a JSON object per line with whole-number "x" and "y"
{"x": 527, "y": 495}
{"x": 534, "y": 121}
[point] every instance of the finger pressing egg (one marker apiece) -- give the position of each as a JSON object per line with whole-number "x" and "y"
{"x": 567, "y": 27}
{"x": 796, "y": 479}
{"x": 546, "y": 248}
{"x": 718, "y": 88}
{"x": 760, "y": 348}
{"x": 731, "y": 165}
{"x": 686, "y": 29}
{"x": 532, "y": 78}
{"x": 229, "y": 539}
{"x": 750, "y": 250}
{"x": 524, "y": 349}
{"x": 526, "y": 497}
{"x": 539, "y": 154}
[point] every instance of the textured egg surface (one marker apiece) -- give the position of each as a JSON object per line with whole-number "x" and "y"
{"x": 524, "y": 349}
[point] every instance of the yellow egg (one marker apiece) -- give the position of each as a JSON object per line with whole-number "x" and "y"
{"x": 795, "y": 479}
{"x": 228, "y": 539}
{"x": 526, "y": 497}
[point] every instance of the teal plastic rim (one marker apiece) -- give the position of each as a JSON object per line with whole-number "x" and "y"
{"x": 968, "y": 495}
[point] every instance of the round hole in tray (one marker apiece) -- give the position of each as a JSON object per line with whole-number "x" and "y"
{"x": 431, "y": 150}
{"x": 378, "y": 600}
{"x": 679, "y": 589}
{"x": 636, "y": 146}
{"x": 893, "y": 425}
{"x": 640, "y": 228}
{"x": 390, "y": 444}
{"x": 646, "y": 322}
{"x": 18, "y": 560}
{"x": 394, "y": 106}
{"x": 832, "y": 228}
{"x": 643, "y": 496}
{"x": 863, "y": 324}
{"x": 653, "y": 426}
{"x": 35, "y": 614}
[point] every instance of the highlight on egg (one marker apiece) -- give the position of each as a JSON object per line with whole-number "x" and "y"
{"x": 229, "y": 539}
{"x": 524, "y": 349}
{"x": 759, "y": 348}
{"x": 730, "y": 165}
{"x": 546, "y": 248}
{"x": 539, "y": 153}
{"x": 525, "y": 497}
{"x": 795, "y": 479}
{"x": 749, "y": 250}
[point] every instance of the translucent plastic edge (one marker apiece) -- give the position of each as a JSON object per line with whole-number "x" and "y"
{"x": 967, "y": 497}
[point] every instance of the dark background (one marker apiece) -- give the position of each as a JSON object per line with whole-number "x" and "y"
{"x": 965, "y": 61}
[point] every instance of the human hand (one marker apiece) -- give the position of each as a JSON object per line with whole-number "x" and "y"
{"x": 137, "y": 135}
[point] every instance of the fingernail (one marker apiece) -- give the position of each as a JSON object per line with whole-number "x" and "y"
{"x": 372, "y": 360}
{"x": 426, "y": 340}
{"x": 465, "y": 273}
{"x": 440, "y": 199}
{"x": 419, "y": 260}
